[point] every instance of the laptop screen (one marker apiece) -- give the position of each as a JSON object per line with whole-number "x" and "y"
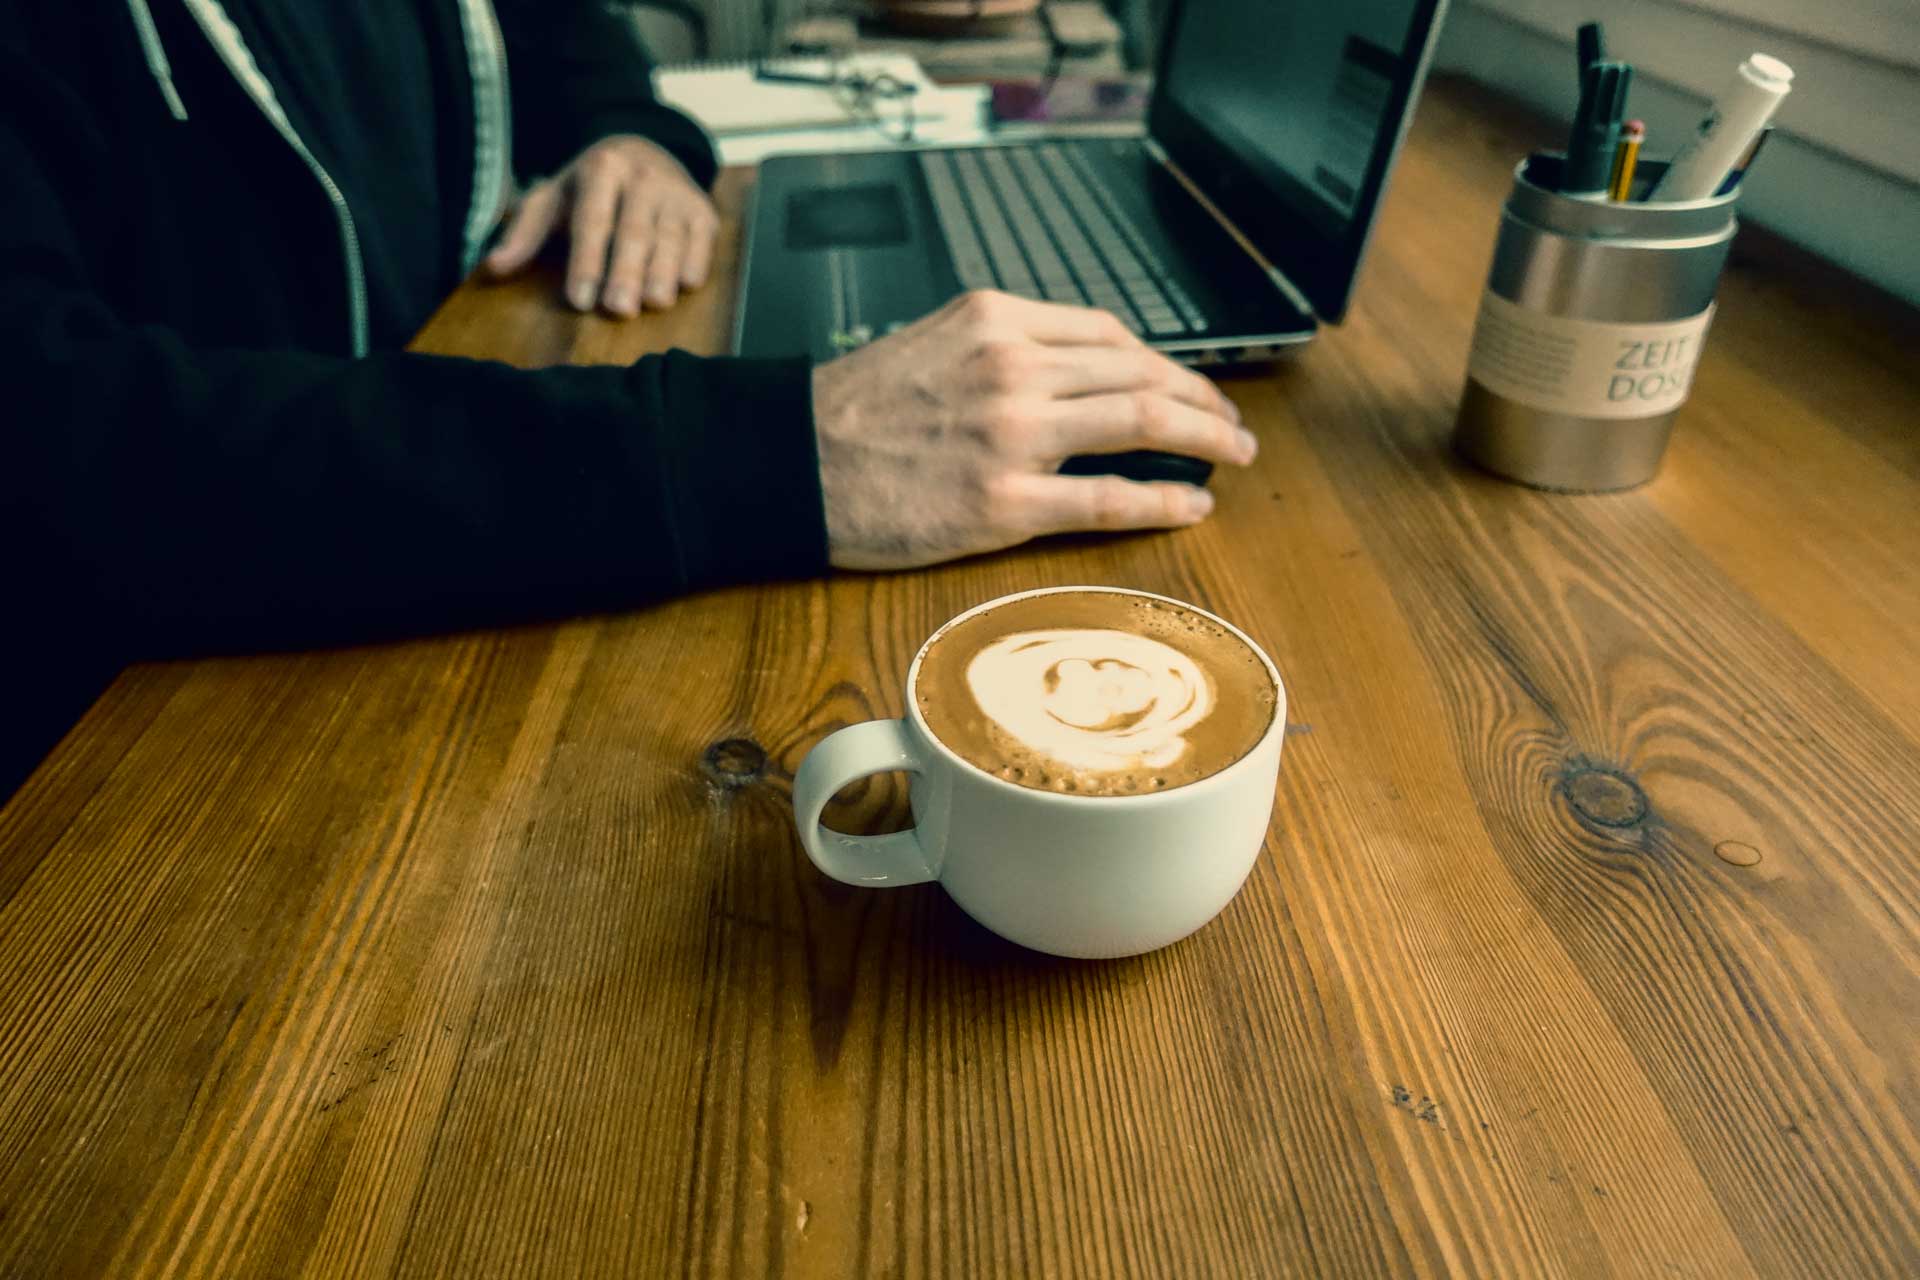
{"x": 1287, "y": 114}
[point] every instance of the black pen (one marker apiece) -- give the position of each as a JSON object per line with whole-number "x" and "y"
{"x": 886, "y": 86}
{"x": 1592, "y": 43}
{"x": 767, "y": 75}
{"x": 1596, "y": 130}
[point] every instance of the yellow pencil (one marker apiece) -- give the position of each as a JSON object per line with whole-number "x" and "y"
{"x": 1624, "y": 159}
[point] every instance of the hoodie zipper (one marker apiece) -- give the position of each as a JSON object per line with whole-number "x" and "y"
{"x": 227, "y": 42}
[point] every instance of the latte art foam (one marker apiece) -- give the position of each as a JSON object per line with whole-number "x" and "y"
{"x": 1095, "y": 693}
{"x": 1096, "y": 700}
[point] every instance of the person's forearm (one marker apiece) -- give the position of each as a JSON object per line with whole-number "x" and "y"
{"x": 234, "y": 499}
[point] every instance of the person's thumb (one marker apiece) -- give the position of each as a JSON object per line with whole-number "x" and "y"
{"x": 532, "y": 222}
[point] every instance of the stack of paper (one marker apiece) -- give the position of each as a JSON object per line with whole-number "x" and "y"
{"x": 729, "y": 98}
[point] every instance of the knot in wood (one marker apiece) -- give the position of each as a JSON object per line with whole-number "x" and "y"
{"x": 735, "y": 762}
{"x": 1606, "y": 797}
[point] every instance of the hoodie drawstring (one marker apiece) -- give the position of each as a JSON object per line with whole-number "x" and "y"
{"x": 156, "y": 56}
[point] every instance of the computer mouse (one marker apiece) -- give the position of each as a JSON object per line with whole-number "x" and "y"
{"x": 1140, "y": 464}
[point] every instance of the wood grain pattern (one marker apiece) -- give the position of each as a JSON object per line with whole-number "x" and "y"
{"x": 1584, "y": 942}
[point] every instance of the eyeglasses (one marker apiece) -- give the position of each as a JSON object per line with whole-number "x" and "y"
{"x": 882, "y": 101}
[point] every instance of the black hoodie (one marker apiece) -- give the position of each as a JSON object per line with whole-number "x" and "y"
{"x": 203, "y": 445}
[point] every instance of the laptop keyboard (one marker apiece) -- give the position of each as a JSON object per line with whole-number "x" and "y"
{"x": 1038, "y": 222}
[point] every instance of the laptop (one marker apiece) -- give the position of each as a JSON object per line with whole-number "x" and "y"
{"x": 1272, "y": 130}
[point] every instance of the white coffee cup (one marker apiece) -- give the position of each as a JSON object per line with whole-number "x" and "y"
{"x": 1075, "y": 875}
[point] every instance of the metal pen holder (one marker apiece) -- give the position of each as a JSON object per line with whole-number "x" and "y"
{"x": 1589, "y": 331}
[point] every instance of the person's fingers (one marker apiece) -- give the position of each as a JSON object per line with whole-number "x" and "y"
{"x": 1146, "y": 420}
{"x": 633, "y": 240}
{"x": 1053, "y": 323}
{"x": 532, "y": 222}
{"x": 1060, "y": 504}
{"x": 1103, "y": 370}
{"x": 596, "y": 194}
{"x": 663, "y": 268}
{"x": 702, "y": 229}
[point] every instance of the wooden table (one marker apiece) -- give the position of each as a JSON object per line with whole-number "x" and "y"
{"x": 1584, "y": 941}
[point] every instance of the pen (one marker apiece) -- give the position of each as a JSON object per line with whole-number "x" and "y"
{"x": 1596, "y": 130}
{"x": 1621, "y": 188}
{"x": 1746, "y": 162}
{"x": 1592, "y": 45}
{"x": 768, "y": 76}
{"x": 1730, "y": 127}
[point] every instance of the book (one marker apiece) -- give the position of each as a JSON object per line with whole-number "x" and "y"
{"x": 729, "y": 98}
{"x": 1071, "y": 99}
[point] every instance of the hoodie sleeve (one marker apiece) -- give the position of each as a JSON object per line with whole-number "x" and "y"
{"x": 579, "y": 73}
{"x": 185, "y": 498}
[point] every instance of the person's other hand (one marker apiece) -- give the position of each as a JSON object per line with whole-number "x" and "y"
{"x": 639, "y": 227}
{"x": 944, "y": 439}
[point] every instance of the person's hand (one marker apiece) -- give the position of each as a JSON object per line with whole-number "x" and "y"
{"x": 944, "y": 439}
{"x": 639, "y": 227}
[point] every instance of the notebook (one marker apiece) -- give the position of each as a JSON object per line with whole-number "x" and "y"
{"x": 728, "y": 99}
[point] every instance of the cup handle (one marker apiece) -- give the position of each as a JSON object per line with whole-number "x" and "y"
{"x": 876, "y": 746}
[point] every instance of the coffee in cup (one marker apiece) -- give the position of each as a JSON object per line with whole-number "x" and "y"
{"x": 1093, "y": 770}
{"x": 1096, "y": 693}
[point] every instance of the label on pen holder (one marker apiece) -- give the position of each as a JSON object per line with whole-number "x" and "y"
{"x": 1584, "y": 368}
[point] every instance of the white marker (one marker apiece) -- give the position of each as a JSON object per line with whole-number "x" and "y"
{"x": 1732, "y": 123}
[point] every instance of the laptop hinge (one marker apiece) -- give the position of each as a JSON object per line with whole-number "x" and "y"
{"x": 1279, "y": 277}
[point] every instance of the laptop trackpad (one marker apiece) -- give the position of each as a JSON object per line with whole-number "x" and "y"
{"x": 846, "y": 217}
